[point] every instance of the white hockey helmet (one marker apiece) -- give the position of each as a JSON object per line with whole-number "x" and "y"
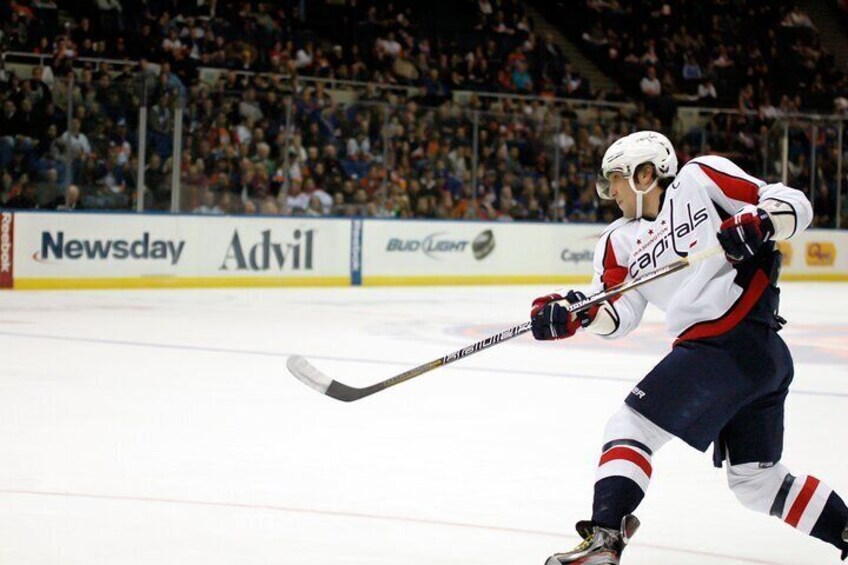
{"x": 627, "y": 153}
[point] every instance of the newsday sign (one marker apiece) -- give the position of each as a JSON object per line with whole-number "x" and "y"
{"x": 53, "y": 250}
{"x": 87, "y": 250}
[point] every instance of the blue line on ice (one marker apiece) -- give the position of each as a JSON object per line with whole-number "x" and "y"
{"x": 206, "y": 349}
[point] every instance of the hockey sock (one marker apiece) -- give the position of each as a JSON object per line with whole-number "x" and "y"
{"x": 807, "y": 504}
{"x": 624, "y": 470}
{"x": 622, "y": 478}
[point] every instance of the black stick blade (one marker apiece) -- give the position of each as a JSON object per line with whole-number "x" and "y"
{"x": 313, "y": 378}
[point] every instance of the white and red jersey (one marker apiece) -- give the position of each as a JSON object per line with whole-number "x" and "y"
{"x": 706, "y": 298}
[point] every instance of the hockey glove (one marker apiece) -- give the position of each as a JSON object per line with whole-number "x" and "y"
{"x": 742, "y": 235}
{"x": 552, "y": 321}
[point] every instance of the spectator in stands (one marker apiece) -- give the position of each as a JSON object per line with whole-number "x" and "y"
{"x": 48, "y": 190}
{"x": 208, "y": 205}
{"x": 22, "y": 195}
{"x": 650, "y": 84}
{"x": 71, "y": 200}
{"x": 691, "y": 72}
{"x": 521, "y": 81}
{"x": 76, "y": 142}
{"x": 296, "y": 201}
{"x": 707, "y": 92}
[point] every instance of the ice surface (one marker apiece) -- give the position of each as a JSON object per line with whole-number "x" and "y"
{"x": 161, "y": 427}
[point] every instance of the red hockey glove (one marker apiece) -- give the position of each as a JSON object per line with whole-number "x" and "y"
{"x": 742, "y": 235}
{"x": 552, "y": 321}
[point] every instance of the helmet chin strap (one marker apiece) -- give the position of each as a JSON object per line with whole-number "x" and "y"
{"x": 640, "y": 194}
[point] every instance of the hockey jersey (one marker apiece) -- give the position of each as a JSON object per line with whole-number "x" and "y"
{"x": 709, "y": 297}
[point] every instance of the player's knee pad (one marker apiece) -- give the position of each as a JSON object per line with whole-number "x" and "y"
{"x": 628, "y": 425}
{"x": 625, "y": 468}
{"x": 756, "y": 485}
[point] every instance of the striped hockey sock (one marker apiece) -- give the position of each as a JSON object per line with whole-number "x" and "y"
{"x": 810, "y": 506}
{"x": 622, "y": 478}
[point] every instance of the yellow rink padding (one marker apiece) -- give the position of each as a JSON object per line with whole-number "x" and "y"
{"x": 270, "y": 282}
{"x": 436, "y": 280}
{"x": 176, "y": 282}
{"x": 815, "y": 277}
{"x": 430, "y": 280}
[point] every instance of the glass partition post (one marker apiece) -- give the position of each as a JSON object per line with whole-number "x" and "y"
{"x": 142, "y": 148}
{"x": 839, "y": 156}
{"x": 177, "y": 156}
{"x": 69, "y": 160}
{"x": 784, "y": 158}
{"x": 475, "y": 147}
{"x": 556, "y": 215}
{"x": 814, "y": 132}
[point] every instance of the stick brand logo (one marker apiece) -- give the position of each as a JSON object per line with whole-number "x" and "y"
{"x": 667, "y": 237}
{"x": 57, "y": 247}
{"x": 436, "y": 245}
{"x": 6, "y": 249}
{"x": 266, "y": 254}
{"x": 483, "y": 344}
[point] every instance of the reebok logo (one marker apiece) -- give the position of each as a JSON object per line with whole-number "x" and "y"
{"x": 7, "y": 250}
{"x": 6, "y": 244}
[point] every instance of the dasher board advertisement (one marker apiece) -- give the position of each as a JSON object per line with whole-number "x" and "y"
{"x": 446, "y": 252}
{"x": 115, "y": 250}
{"x": 816, "y": 255}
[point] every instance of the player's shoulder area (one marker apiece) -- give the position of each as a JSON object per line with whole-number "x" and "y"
{"x": 620, "y": 226}
{"x": 701, "y": 172}
{"x": 699, "y": 166}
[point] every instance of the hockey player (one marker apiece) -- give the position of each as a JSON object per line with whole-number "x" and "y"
{"x": 727, "y": 376}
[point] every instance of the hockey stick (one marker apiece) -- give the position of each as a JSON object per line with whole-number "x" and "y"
{"x": 312, "y": 377}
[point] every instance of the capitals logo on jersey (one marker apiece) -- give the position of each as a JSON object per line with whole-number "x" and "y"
{"x": 672, "y": 234}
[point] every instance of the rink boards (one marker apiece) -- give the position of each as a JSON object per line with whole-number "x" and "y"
{"x": 98, "y": 250}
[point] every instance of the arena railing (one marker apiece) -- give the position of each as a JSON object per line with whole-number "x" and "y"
{"x": 800, "y": 149}
{"x": 780, "y": 147}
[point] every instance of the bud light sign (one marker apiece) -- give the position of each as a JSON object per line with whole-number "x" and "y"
{"x": 438, "y": 245}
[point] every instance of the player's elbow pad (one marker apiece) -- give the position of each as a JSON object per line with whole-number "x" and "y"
{"x": 607, "y": 321}
{"x": 781, "y": 216}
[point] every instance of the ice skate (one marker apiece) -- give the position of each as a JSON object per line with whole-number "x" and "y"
{"x": 600, "y": 546}
{"x": 845, "y": 539}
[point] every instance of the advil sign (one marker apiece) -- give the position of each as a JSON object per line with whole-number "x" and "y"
{"x": 259, "y": 257}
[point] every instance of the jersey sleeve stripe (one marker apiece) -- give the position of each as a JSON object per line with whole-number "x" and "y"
{"x": 736, "y": 188}
{"x": 614, "y": 273}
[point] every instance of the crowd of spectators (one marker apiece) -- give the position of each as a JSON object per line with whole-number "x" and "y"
{"x": 724, "y": 53}
{"x": 267, "y": 144}
{"x": 494, "y": 47}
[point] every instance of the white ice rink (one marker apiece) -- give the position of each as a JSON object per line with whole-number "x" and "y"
{"x": 161, "y": 427}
